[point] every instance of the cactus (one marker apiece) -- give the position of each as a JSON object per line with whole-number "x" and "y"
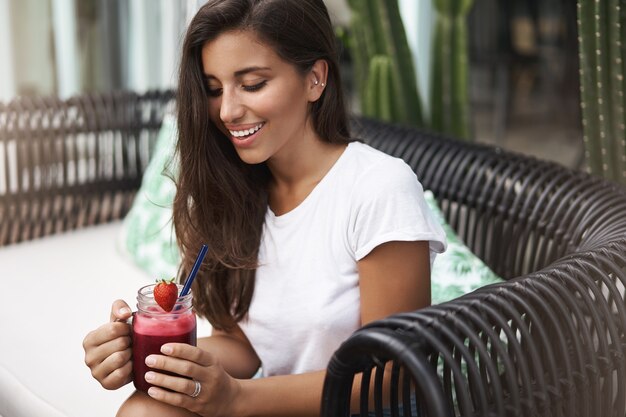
{"x": 602, "y": 50}
{"x": 377, "y": 100}
{"x": 449, "y": 95}
{"x": 384, "y": 71}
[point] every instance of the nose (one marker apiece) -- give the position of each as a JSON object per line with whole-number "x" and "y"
{"x": 231, "y": 108}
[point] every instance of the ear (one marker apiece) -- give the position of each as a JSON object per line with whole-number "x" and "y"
{"x": 316, "y": 80}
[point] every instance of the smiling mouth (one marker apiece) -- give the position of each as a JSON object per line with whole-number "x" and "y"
{"x": 242, "y": 134}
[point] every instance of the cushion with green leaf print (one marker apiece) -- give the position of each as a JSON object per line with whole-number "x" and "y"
{"x": 457, "y": 271}
{"x": 147, "y": 236}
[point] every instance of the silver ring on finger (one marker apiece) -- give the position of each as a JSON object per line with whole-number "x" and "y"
{"x": 196, "y": 390}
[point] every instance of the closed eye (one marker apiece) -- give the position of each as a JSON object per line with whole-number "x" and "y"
{"x": 216, "y": 92}
{"x": 255, "y": 87}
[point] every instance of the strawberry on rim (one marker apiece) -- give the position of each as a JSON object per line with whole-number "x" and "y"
{"x": 166, "y": 293}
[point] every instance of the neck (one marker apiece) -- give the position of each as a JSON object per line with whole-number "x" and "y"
{"x": 306, "y": 167}
{"x": 297, "y": 171}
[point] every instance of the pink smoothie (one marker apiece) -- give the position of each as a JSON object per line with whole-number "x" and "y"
{"x": 150, "y": 333}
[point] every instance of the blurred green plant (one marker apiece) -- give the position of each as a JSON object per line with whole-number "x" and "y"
{"x": 385, "y": 75}
{"x": 449, "y": 95}
{"x": 383, "y": 65}
{"x": 602, "y": 49}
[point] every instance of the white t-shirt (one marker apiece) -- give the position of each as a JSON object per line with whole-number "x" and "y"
{"x": 306, "y": 299}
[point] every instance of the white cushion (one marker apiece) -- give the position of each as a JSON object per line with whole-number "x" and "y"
{"x": 55, "y": 290}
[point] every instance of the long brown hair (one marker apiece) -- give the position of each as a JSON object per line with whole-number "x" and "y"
{"x": 220, "y": 199}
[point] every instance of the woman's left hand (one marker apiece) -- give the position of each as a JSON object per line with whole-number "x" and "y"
{"x": 215, "y": 391}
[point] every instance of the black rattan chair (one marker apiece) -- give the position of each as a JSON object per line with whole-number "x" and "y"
{"x": 549, "y": 341}
{"x": 66, "y": 164}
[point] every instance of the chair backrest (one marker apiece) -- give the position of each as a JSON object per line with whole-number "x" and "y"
{"x": 70, "y": 163}
{"x": 547, "y": 342}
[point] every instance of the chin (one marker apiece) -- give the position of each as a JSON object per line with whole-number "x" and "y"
{"x": 251, "y": 157}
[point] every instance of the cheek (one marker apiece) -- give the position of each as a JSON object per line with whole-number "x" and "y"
{"x": 282, "y": 103}
{"x": 214, "y": 111}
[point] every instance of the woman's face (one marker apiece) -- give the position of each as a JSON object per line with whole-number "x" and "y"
{"x": 259, "y": 101}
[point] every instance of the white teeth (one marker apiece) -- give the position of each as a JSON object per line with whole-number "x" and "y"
{"x": 246, "y": 132}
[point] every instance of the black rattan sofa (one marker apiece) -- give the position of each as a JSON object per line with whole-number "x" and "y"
{"x": 547, "y": 342}
{"x": 66, "y": 164}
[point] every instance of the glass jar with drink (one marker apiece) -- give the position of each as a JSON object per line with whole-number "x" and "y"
{"x": 152, "y": 327}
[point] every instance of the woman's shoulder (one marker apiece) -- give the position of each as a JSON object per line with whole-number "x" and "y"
{"x": 374, "y": 166}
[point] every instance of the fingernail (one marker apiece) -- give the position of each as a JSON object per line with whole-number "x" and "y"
{"x": 150, "y": 361}
{"x": 152, "y": 392}
{"x": 149, "y": 376}
{"x": 166, "y": 349}
{"x": 123, "y": 311}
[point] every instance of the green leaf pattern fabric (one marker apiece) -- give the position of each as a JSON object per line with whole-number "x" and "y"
{"x": 457, "y": 271}
{"x": 147, "y": 233}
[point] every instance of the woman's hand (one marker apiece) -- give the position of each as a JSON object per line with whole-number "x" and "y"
{"x": 217, "y": 390}
{"x": 107, "y": 349}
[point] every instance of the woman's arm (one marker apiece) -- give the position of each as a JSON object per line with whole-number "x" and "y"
{"x": 233, "y": 351}
{"x": 394, "y": 277}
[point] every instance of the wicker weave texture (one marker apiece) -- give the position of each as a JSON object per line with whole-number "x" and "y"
{"x": 548, "y": 342}
{"x": 70, "y": 163}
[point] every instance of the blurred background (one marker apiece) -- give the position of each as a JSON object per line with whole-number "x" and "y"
{"x": 522, "y": 59}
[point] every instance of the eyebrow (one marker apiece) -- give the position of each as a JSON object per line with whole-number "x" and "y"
{"x": 241, "y": 72}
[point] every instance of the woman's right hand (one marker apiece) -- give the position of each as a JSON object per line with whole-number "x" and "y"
{"x": 108, "y": 349}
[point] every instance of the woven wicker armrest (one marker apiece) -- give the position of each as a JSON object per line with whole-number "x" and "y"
{"x": 548, "y": 341}
{"x": 73, "y": 163}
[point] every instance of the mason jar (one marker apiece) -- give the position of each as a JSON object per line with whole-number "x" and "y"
{"x": 152, "y": 327}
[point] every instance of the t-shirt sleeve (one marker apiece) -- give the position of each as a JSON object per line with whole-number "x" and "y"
{"x": 389, "y": 205}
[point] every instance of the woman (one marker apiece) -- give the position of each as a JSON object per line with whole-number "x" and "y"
{"x": 310, "y": 233}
